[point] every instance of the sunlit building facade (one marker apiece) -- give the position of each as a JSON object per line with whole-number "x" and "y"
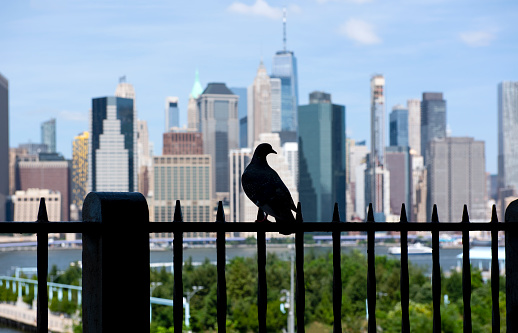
{"x": 79, "y": 169}
{"x": 508, "y": 135}
{"x": 4, "y": 145}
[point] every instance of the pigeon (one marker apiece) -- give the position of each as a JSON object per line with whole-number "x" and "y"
{"x": 265, "y": 188}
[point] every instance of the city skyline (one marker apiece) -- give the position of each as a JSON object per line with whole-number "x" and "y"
{"x": 431, "y": 46}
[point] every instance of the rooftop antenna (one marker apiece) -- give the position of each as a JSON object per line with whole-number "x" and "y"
{"x": 122, "y": 79}
{"x": 284, "y": 27}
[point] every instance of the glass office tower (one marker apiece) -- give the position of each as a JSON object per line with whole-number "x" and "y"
{"x": 172, "y": 113}
{"x": 284, "y": 67}
{"x": 112, "y": 154}
{"x": 321, "y": 160}
{"x": 398, "y": 126}
{"x": 433, "y": 119}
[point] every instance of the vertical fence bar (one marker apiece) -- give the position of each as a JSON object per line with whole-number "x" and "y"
{"x": 177, "y": 267}
{"x": 403, "y": 283}
{"x": 337, "y": 275}
{"x": 299, "y": 259}
{"x": 466, "y": 274}
{"x": 495, "y": 275}
{"x": 222, "y": 282}
{"x": 371, "y": 275}
{"x": 262, "y": 304}
{"x": 436, "y": 275}
{"x": 43, "y": 265}
{"x": 511, "y": 268}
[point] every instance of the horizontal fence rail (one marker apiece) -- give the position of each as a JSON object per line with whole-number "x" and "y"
{"x": 220, "y": 227}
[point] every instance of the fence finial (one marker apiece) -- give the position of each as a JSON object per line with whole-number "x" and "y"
{"x": 465, "y": 215}
{"x": 435, "y": 216}
{"x": 42, "y": 211}
{"x": 220, "y": 215}
{"x": 260, "y": 214}
{"x": 336, "y": 214}
{"x": 402, "y": 217}
{"x": 494, "y": 216}
{"x": 178, "y": 212}
{"x": 298, "y": 214}
{"x": 370, "y": 214}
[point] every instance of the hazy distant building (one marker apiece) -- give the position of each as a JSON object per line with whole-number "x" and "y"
{"x": 321, "y": 160}
{"x": 26, "y": 204}
{"x": 398, "y": 126}
{"x": 187, "y": 178}
{"x": 112, "y": 155}
{"x": 242, "y": 113}
{"x": 357, "y": 160}
{"x": 172, "y": 113}
{"x": 4, "y": 145}
{"x": 193, "y": 116}
{"x": 260, "y": 112}
{"x": 48, "y": 134}
{"x": 50, "y": 174}
{"x": 414, "y": 124}
{"x": 319, "y": 97}
{"x": 182, "y": 143}
{"x": 433, "y": 119}
{"x": 145, "y": 159}
{"x": 125, "y": 90}
{"x": 276, "y": 89}
{"x": 457, "y": 176}
{"x": 508, "y": 135}
{"x": 239, "y": 160}
{"x": 79, "y": 170}
{"x": 284, "y": 67}
{"x": 34, "y": 148}
{"x": 290, "y": 150}
{"x": 399, "y": 165}
{"x": 219, "y": 125}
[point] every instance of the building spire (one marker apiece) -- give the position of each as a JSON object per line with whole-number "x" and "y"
{"x": 284, "y": 27}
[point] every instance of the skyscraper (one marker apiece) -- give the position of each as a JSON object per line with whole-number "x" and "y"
{"x": 182, "y": 143}
{"x": 398, "y": 126}
{"x": 399, "y": 165}
{"x": 172, "y": 113}
{"x": 260, "y": 113}
{"x": 457, "y": 176}
{"x": 414, "y": 124}
{"x": 193, "y": 117}
{"x": 508, "y": 135}
{"x": 145, "y": 159}
{"x": 376, "y": 189}
{"x": 284, "y": 67}
{"x": 219, "y": 125}
{"x": 48, "y": 134}
{"x": 276, "y": 86}
{"x": 242, "y": 107}
{"x": 112, "y": 153}
{"x": 79, "y": 169}
{"x": 433, "y": 119}
{"x": 321, "y": 160}
{"x": 4, "y": 145}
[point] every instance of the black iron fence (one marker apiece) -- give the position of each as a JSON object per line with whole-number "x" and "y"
{"x": 116, "y": 225}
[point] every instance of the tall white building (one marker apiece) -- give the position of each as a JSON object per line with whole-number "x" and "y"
{"x": 276, "y": 94}
{"x": 290, "y": 151}
{"x": 508, "y": 135}
{"x": 172, "y": 113}
{"x": 239, "y": 160}
{"x": 414, "y": 124}
{"x": 259, "y": 98}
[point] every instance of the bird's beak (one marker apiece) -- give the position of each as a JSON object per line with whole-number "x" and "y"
{"x": 273, "y": 151}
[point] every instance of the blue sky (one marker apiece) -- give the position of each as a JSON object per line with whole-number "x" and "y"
{"x": 59, "y": 54}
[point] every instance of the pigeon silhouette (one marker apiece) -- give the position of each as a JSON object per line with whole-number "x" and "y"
{"x": 265, "y": 188}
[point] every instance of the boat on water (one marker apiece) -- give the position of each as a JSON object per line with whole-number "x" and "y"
{"x": 413, "y": 249}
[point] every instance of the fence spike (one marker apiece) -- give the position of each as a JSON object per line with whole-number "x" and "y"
{"x": 465, "y": 215}
{"x": 435, "y": 216}
{"x": 402, "y": 217}
{"x": 370, "y": 214}
{"x": 298, "y": 215}
{"x": 336, "y": 213}
{"x": 42, "y": 211}
{"x": 494, "y": 216}
{"x": 220, "y": 216}
{"x": 178, "y": 212}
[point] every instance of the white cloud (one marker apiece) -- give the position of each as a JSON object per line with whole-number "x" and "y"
{"x": 360, "y": 31}
{"x": 477, "y": 38}
{"x": 259, "y": 8}
{"x": 354, "y": 1}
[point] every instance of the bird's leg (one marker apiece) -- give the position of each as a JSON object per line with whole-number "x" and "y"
{"x": 265, "y": 219}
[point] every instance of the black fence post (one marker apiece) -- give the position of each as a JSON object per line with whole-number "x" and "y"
{"x": 511, "y": 268}
{"x": 404, "y": 281}
{"x": 262, "y": 302}
{"x": 371, "y": 275}
{"x": 300, "y": 293}
{"x": 466, "y": 274}
{"x": 495, "y": 274}
{"x": 43, "y": 266}
{"x": 436, "y": 275}
{"x": 221, "y": 263}
{"x": 337, "y": 275}
{"x": 177, "y": 271}
{"x": 116, "y": 263}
